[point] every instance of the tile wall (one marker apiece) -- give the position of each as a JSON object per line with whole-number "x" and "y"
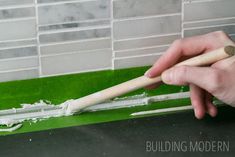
{"x": 40, "y": 38}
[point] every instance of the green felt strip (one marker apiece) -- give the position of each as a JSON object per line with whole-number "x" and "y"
{"x": 61, "y": 88}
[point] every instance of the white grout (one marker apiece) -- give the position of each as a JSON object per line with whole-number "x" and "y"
{"x": 18, "y": 19}
{"x": 76, "y": 29}
{"x": 137, "y": 56}
{"x": 5, "y": 41}
{"x": 198, "y": 1}
{"x": 209, "y": 20}
{"x": 150, "y": 36}
{"x": 73, "y": 52}
{"x": 17, "y": 70}
{"x": 74, "y": 41}
{"x": 18, "y": 58}
{"x": 16, "y": 47}
{"x": 112, "y": 33}
{"x": 142, "y": 48}
{"x": 16, "y": 6}
{"x": 64, "y": 2}
{"x": 76, "y": 72}
{"x": 202, "y": 27}
{"x": 146, "y": 17}
{"x": 38, "y": 41}
{"x": 171, "y": 109}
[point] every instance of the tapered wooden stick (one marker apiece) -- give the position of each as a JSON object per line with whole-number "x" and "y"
{"x": 143, "y": 81}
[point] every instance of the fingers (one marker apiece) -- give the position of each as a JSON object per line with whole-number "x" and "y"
{"x": 188, "y": 47}
{"x": 197, "y": 96}
{"x": 210, "y": 107}
{"x": 208, "y": 78}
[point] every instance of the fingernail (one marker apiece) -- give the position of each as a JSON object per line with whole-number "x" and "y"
{"x": 147, "y": 73}
{"x": 166, "y": 76}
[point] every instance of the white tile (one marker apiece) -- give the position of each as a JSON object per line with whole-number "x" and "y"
{"x": 18, "y": 75}
{"x": 18, "y": 43}
{"x": 209, "y": 23}
{"x": 13, "y": 64}
{"x": 144, "y": 51}
{"x": 15, "y": 2}
{"x": 147, "y": 27}
{"x": 75, "y": 46}
{"x": 78, "y": 11}
{"x": 13, "y": 30}
{"x": 145, "y": 42}
{"x": 18, "y": 52}
{"x": 75, "y": 25}
{"x": 208, "y": 10}
{"x": 17, "y": 13}
{"x": 232, "y": 37}
{"x": 70, "y": 63}
{"x": 135, "y": 61}
{"x": 135, "y": 8}
{"x": 230, "y": 29}
{"x": 75, "y": 35}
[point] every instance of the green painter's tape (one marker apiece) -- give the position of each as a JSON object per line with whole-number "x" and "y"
{"x": 61, "y": 88}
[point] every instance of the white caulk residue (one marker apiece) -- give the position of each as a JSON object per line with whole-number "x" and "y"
{"x": 43, "y": 110}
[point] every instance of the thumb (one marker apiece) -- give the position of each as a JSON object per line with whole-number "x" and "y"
{"x": 205, "y": 77}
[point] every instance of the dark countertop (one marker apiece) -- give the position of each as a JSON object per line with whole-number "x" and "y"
{"x": 126, "y": 138}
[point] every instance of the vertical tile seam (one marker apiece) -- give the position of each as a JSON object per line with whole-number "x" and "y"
{"x": 112, "y": 34}
{"x": 182, "y": 18}
{"x": 37, "y": 37}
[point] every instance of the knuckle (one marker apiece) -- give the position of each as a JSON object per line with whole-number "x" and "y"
{"x": 179, "y": 74}
{"x": 216, "y": 82}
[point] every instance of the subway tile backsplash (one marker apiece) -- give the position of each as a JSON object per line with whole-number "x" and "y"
{"x": 41, "y": 38}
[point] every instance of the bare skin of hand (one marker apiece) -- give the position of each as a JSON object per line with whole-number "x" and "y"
{"x": 205, "y": 82}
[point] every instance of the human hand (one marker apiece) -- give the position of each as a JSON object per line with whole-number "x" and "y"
{"x": 204, "y": 82}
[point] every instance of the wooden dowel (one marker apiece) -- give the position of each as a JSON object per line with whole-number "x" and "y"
{"x": 143, "y": 81}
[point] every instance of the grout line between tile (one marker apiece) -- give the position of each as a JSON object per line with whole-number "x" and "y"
{"x": 112, "y": 34}
{"x": 146, "y": 17}
{"x": 150, "y": 36}
{"x": 75, "y": 72}
{"x": 142, "y": 48}
{"x": 17, "y": 70}
{"x": 138, "y": 56}
{"x": 38, "y": 41}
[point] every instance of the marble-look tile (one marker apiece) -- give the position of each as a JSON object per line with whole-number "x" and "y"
{"x": 19, "y": 75}
{"x": 18, "y": 52}
{"x": 68, "y": 12}
{"x": 75, "y": 35}
{"x": 21, "y": 63}
{"x": 209, "y": 23}
{"x": 134, "y": 8}
{"x": 18, "y": 43}
{"x": 232, "y": 37}
{"x": 52, "y": 1}
{"x": 17, "y": 13}
{"x": 69, "y": 63}
{"x": 144, "y": 51}
{"x": 145, "y": 42}
{"x": 209, "y": 10}
{"x": 15, "y": 2}
{"x": 76, "y": 46}
{"x": 146, "y": 27}
{"x": 135, "y": 61}
{"x": 230, "y": 29}
{"x": 14, "y": 30}
{"x": 75, "y": 25}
